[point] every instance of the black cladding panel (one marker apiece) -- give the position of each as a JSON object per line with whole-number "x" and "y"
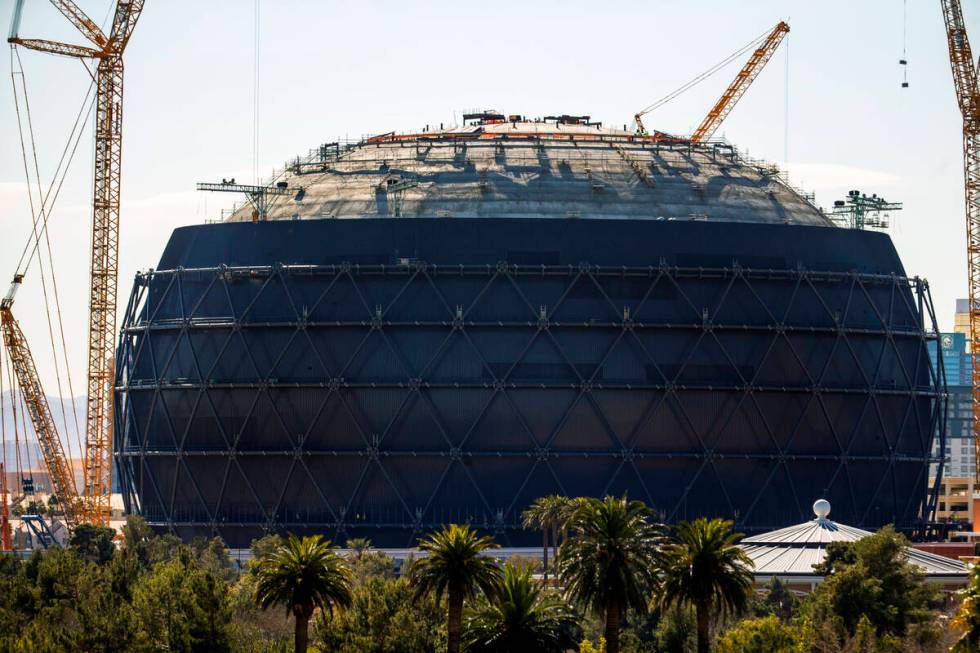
{"x": 380, "y": 377}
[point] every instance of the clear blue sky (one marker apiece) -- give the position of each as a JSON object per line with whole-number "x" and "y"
{"x": 331, "y": 69}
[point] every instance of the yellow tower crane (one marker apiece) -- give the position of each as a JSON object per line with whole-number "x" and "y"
{"x": 968, "y": 96}
{"x": 760, "y": 57}
{"x": 108, "y": 53}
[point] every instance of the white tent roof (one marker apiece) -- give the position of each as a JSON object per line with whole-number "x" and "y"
{"x": 793, "y": 551}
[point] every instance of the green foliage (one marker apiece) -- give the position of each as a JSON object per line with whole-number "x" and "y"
{"x": 371, "y": 564}
{"x": 705, "y": 569}
{"x": 968, "y": 616}
{"x": 384, "y": 617}
{"x": 182, "y": 607}
{"x": 358, "y": 546}
{"x": 549, "y": 515}
{"x": 588, "y": 647}
{"x": 608, "y": 563}
{"x": 254, "y": 630}
{"x": 764, "y": 635}
{"x": 520, "y": 616}
{"x": 871, "y": 579}
{"x": 676, "y": 631}
{"x": 301, "y": 575}
{"x": 779, "y": 600}
{"x": 32, "y": 507}
{"x": 93, "y": 542}
{"x": 455, "y": 565}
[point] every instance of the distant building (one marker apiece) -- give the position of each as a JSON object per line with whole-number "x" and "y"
{"x": 958, "y": 499}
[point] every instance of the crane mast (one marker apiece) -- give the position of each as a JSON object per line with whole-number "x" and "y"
{"x": 108, "y": 52}
{"x": 760, "y": 57}
{"x": 968, "y": 97}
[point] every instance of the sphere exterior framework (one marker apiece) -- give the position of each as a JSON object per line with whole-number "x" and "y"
{"x": 444, "y": 327}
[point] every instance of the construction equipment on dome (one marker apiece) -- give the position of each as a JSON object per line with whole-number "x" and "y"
{"x": 765, "y": 45}
{"x": 108, "y": 53}
{"x": 968, "y": 96}
{"x": 760, "y": 57}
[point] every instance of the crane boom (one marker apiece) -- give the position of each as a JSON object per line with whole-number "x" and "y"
{"x": 105, "y": 234}
{"x": 78, "y": 18}
{"x": 22, "y": 362}
{"x": 760, "y": 57}
{"x": 968, "y": 97}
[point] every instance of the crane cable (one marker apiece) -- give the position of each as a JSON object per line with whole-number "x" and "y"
{"x": 36, "y": 237}
{"x": 47, "y": 201}
{"x": 705, "y": 75}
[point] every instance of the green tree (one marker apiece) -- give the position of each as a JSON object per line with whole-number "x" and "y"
{"x": 384, "y": 617}
{"x": 93, "y": 542}
{"x": 968, "y": 616}
{"x": 546, "y": 513}
{"x": 676, "y": 631}
{"x": 520, "y": 616}
{"x": 872, "y": 578}
{"x": 301, "y": 575}
{"x": 607, "y": 564}
{"x": 455, "y": 565}
{"x": 779, "y": 600}
{"x": 763, "y": 635}
{"x": 704, "y": 568}
{"x": 358, "y": 546}
{"x": 254, "y": 630}
{"x": 181, "y": 607}
{"x": 372, "y": 563}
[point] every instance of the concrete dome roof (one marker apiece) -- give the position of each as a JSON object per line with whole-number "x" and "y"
{"x": 563, "y": 167}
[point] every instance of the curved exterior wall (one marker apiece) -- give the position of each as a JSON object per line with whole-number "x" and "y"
{"x": 380, "y": 377}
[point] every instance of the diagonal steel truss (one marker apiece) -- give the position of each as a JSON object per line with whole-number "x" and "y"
{"x": 388, "y": 400}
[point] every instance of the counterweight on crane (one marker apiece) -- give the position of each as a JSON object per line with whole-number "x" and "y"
{"x": 968, "y": 96}
{"x": 108, "y": 52}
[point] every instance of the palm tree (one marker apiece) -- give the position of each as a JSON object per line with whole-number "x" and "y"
{"x": 520, "y": 616}
{"x": 547, "y": 513}
{"x": 608, "y": 562}
{"x": 455, "y": 565}
{"x": 358, "y": 546}
{"x": 301, "y": 575}
{"x": 704, "y": 568}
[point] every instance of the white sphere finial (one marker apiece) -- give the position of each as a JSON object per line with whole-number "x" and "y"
{"x": 821, "y": 508}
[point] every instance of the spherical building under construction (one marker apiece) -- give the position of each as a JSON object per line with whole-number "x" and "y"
{"x": 443, "y": 326}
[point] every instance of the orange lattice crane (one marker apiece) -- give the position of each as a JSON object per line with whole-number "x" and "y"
{"x": 22, "y": 362}
{"x": 760, "y": 57}
{"x": 107, "y": 51}
{"x": 968, "y": 97}
{"x": 767, "y": 44}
